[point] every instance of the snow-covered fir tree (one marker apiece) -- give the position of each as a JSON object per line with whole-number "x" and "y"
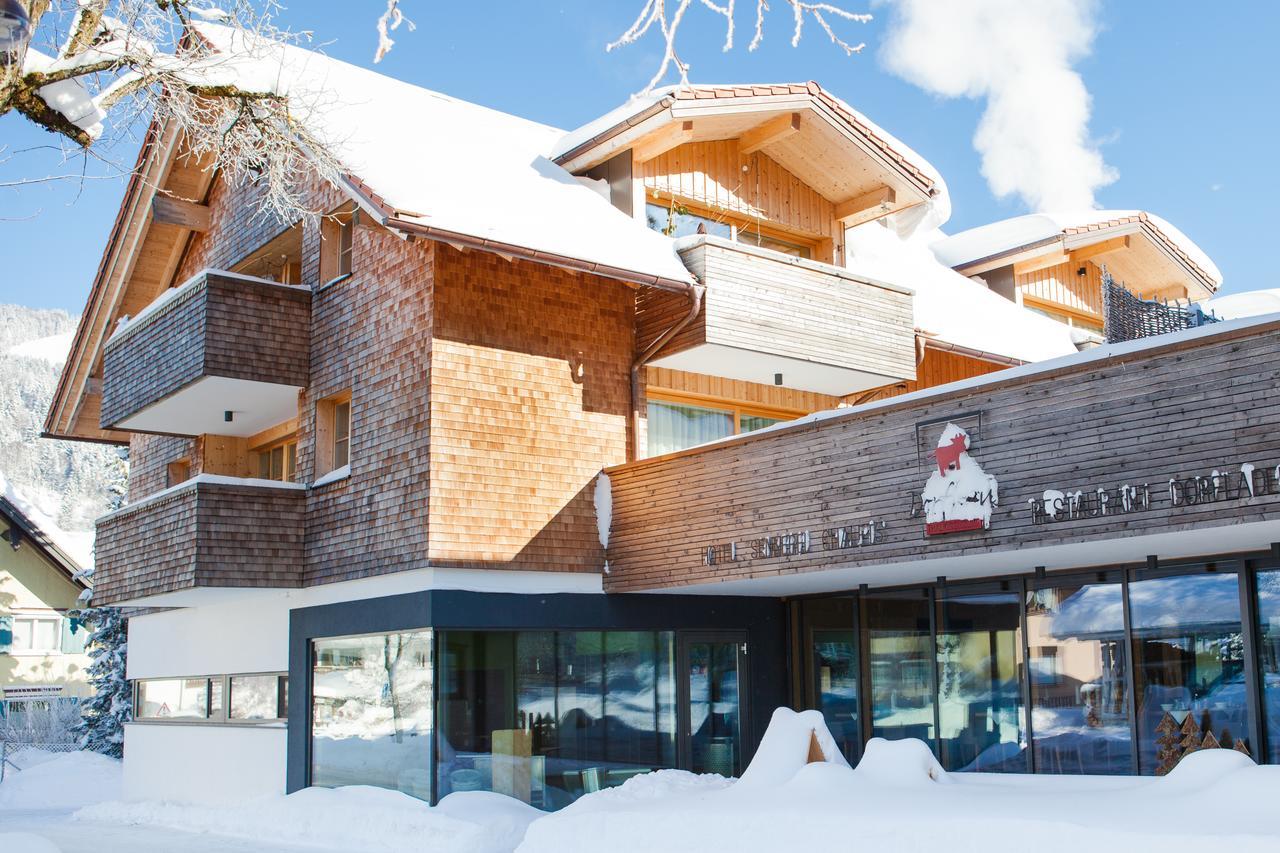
{"x": 104, "y": 714}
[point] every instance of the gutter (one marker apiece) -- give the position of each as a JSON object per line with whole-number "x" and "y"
{"x": 980, "y": 355}
{"x": 695, "y": 293}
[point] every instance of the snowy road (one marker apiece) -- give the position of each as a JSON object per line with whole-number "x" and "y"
{"x": 71, "y": 835}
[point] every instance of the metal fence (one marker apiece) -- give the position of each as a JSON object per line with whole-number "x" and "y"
{"x": 1127, "y": 317}
{"x": 18, "y": 755}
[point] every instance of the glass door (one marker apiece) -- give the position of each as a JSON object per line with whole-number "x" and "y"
{"x": 713, "y": 691}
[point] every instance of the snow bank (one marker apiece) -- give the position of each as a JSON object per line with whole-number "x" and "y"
{"x": 25, "y": 842}
{"x": 898, "y": 763}
{"x": 788, "y": 745}
{"x": 67, "y": 781}
{"x": 358, "y": 818}
{"x": 1251, "y": 303}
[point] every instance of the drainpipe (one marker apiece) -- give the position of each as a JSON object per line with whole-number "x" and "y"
{"x": 694, "y": 292}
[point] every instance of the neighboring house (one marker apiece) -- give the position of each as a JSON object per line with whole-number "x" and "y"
{"x": 365, "y": 514}
{"x": 41, "y": 648}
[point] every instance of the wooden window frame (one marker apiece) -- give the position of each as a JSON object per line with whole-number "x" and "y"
{"x": 326, "y": 431}
{"x": 283, "y": 444}
{"x": 741, "y": 222}
{"x": 177, "y": 471}
{"x": 738, "y": 408}
{"x": 1073, "y": 314}
{"x": 337, "y": 243}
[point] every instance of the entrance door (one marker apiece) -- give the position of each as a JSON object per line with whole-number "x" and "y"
{"x": 712, "y": 701}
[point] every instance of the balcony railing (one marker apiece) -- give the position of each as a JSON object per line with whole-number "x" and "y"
{"x": 819, "y": 326}
{"x": 223, "y": 353}
{"x": 206, "y": 532}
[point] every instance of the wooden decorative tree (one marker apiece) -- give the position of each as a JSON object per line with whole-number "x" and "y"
{"x": 1240, "y": 747}
{"x": 1167, "y": 749}
{"x": 1210, "y": 741}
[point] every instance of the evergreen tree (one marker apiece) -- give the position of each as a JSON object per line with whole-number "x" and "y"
{"x": 103, "y": 715}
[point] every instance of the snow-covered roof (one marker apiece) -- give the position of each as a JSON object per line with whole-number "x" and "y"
{"x": 1008, "y": 235}
{"x": 73, "y": 551}
{"x": 950, "y": 307}
{"x": 892, "y": 148}
{"x": 1248, "y": 304}
{"x": 448, "y": 164}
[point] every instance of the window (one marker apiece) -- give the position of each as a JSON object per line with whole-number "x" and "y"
{"x": 278, "y": 461}
{"x": 35, "y": 634}
{"x": 1269, "y": 657}
{"x": 278, "y": 260}
{"x": 333, "y": 433}
{"x": 216, "y": 699}
{"x": 676, "y": 422}
{"x": 677, "y": 220}
{"x": 178, "y": 471}
{"x": 337, "y": 233}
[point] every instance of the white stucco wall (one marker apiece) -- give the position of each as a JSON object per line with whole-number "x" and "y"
{"x": 203, "y": 763}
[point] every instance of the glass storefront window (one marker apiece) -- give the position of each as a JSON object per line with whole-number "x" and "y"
{"x": 897, "y": 636}
{"x": 1269, "y": 657}
{"x": 371, "y": 712}
{"x": 832, "y": 668}
{"x": 675, "y": 426}
{"x": 1188, "y": 651}
{"x": 980, "y": 707}
{"x": 255, "y": 697}
{"x": 715, "y": 706}
{"x": 1079, "y": 679}
{"x": 546, "y": 716}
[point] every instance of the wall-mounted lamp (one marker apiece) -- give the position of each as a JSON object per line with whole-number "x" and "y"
{"x": 777, "y": 379}
{"x": 1082, "y": 272}
{"x": 228, "y": 415}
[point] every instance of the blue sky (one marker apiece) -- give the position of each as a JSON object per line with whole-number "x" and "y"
{"x": 1183, "y": 108}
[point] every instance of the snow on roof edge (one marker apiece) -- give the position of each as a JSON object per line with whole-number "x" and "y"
{"x": 69, "y": 545}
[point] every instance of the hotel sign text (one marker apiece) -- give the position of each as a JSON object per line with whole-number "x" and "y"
{"x": 794, "y": 543}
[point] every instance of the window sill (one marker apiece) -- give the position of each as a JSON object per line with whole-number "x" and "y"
{"x": 334, "y": 476}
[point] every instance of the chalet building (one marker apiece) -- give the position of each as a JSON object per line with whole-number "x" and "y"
{"x": 545, "y": 459}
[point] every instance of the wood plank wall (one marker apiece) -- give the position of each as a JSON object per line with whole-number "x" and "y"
{"x": 718, "y": 176}
{"x": 753, "y": 393}
{"x": 1059, "y": 285}
{"x": 1170, "y": 412}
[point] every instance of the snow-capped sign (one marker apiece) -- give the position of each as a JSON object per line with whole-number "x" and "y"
{"x": 959, "y": 495}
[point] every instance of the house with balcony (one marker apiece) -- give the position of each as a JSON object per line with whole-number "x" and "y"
{"x": 366, "y": 515}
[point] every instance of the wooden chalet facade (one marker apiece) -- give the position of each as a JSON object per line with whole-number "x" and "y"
{"x": 372, "y": 443}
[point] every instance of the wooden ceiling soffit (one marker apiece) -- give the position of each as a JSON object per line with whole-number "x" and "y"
{"x": 768, "y": 132}
{"x": 662, "y": 140}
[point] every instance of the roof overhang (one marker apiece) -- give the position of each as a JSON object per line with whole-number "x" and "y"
{"x": 30, "y": 532}
{"x": 1134, "y": 250}
{"x": 812, "y": 134}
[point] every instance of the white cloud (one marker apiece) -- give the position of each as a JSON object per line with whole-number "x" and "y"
{"x": 1018, "y": 55}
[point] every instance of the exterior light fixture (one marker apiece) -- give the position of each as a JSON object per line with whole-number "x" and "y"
{"x": 1082, "y": 272}
{"x": 14, "y": 537}
{"x": 15, "y": 28}
{"x": 228, "y": 415}
{"x": 777, "y": 379}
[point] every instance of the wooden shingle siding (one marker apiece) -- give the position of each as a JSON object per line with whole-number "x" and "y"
{"x": 530, "y": 397}
{"x": 218, "y": 326}
{"x": 1182, "y": 409}
{"x": 201, "y": 534}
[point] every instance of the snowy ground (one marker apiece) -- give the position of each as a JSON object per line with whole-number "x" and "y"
{"x": 798, "y": 794}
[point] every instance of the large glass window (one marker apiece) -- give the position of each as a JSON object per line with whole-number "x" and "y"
{"x": 832, "y": 668}
{"x": 1269, "y": 657}
{"x": 674, "y": 425}
{"x": 546, "y": 716}
{"x": 676, "y": 220}
{"x": 897, "y": 634}
{"x": 980, "y": 707}
{"x": 371, "y": 712}
{"x": 1188, "y": 662}
{"x": 1079, "y": 679}
{"x": 173, "y": 699}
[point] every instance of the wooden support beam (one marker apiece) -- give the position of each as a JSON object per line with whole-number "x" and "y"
{"x": 866, "y": 207}
{"x": 1085, "y": 253}
{"x": 184, "y": 214}
{"x": 1043, "y": 262}
{"x": 662, "y": 140}
{"x": 768, "y": 132}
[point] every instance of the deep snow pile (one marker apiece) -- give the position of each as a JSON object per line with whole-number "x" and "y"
{"x": 899, "y": 800}
{"x": 60, "y": 781}
{"x": 25, "y": 842}
{"x": 356, "y": 818}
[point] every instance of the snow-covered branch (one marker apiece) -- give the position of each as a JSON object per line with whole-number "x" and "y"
{"x": 667, "y": 16}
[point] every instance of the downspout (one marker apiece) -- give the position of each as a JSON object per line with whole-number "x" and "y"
{"x": 694, "y": 292}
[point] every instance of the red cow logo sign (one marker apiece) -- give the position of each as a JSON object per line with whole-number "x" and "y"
{"x": 959, "y": 495}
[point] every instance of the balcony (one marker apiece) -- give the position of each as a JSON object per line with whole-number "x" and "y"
{"x": 220, "y": 343}
{"x": 765, "y": 313}
{"x": 207, "y": 532}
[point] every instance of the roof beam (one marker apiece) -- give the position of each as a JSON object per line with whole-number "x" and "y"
{"x": 866, "y": 207}
{"x": 768, "y": 132}
{"x": 1042, "y": 262}
{"x": 663, "y": 140}
{"x": 184, "y": 214}
{"x": 1085, "y": 253}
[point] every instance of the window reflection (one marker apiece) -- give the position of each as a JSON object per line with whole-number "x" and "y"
{"x": 371, "y": 712}
{"x": 173, "y": 699}
{"x": 1269, "y": 657}
{"x": 1079, "y": 684}
{"x": 899, "y": 643}
{"x": 980, "y": 708}
{"x": 1189, "y": 661}
{"x": 527, "y": 713}
{"x": 832, "y": 683}
{"x": 715, "y": 708}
